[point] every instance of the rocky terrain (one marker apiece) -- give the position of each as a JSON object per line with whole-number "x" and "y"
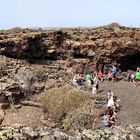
{"x": 34, "y": 61}
{"x": 103, "y": 45}
{"x": 20, "y": 132}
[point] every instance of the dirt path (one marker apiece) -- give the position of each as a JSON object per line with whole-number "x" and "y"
{"x": 26, "y": 115}
{"x": 129, "y": 96}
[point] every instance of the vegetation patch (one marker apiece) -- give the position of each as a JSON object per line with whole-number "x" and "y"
{"x": 81, "y": 117}
{"x": 59, "y": 102}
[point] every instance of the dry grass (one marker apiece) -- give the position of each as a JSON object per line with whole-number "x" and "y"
{"x": 58, "y": 102}
{"x": 80, "y": 117}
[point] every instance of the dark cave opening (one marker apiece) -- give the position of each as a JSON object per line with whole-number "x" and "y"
{"x": 130, "y": 62}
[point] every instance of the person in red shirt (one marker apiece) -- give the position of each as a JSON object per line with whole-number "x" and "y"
{"x": 100, "y": 75}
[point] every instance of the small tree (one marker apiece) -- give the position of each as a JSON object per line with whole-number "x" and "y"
{"x": 60, "y": 101}
{"x": 11, "y": 102}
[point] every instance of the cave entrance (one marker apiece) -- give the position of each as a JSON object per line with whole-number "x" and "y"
{"x": 130, "y": 62}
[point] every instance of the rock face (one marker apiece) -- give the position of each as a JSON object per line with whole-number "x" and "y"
{"x": 103, "y": 45}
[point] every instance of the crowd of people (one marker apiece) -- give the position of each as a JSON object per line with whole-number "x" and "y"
{"x": 109, "y": 117}
{"x": 93, "y": 81}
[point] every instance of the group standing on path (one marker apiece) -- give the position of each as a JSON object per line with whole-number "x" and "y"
{"x": 134, "y": 77}
{"x": 93, "y": 80}
{"x": 109, "y": 117}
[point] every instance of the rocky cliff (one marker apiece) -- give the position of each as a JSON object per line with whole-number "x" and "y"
{"x": 104, "y": 45}
{"x": 38, "y": 59}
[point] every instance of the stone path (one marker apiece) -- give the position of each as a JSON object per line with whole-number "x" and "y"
{"x": 129, "y": 96}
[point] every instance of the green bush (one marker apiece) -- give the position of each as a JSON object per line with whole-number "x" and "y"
{"x": 58, "y": 102}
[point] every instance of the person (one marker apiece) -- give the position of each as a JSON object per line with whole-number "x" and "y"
{"x": 132, "y": 77}
{"x": 129, "y": 76}
{"x": 75, "y": 79}
{"x": 96, "y": 81}
{"x": 106, "y": 119}
{"x": 112, "y": 114}
{"x": 137, "y": 76}
{"x": 88, "y": 79}
{"x": 114, "y": 71}
{"x": 109, "y": 76}
{"x": 110, "y": 121}
{"x": 93, "y": 75}
{"x": 94, "y": 89}
{"x": 110, "y": 102}
{"x": 79, "y": 80}
{"x": 100, "y": 75}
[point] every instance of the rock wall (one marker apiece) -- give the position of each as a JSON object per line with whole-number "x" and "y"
{"x": 104, "y": 45}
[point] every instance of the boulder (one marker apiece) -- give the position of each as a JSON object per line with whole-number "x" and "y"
{"x": 60, "y": 135}
{"x": 93, "y": 135}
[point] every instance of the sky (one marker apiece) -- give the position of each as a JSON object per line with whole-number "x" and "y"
{"x": 68, "y": 13}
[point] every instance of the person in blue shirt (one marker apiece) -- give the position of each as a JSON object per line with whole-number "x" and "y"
{"x": 113, "y": 71}
{"x": 106, "y": 119}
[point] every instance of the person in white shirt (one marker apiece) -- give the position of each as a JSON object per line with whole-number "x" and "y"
{"x": 110, "y": 102}
{"x": 94, "y": 89}
{"x": 96, "y": 81}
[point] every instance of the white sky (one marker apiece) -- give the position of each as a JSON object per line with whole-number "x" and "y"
{"x": 68, "y": 13}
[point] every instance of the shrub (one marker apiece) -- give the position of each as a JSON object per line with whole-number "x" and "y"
{"x": 11, "y": 103}
{"x": 58, "y": 102}
{"x": 82, "y": 117}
